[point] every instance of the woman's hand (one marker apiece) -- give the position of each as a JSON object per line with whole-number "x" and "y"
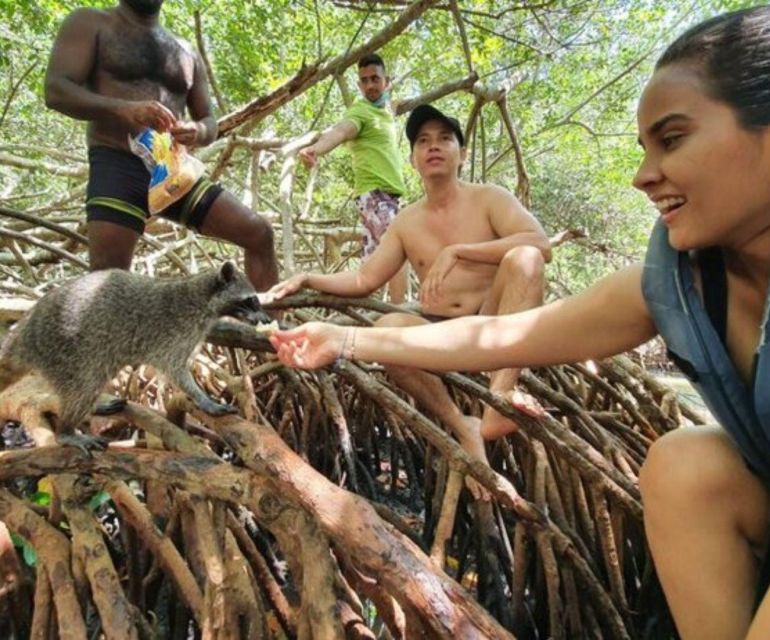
{"x": 312, "y": 345}
{"x": 287, "y": 287}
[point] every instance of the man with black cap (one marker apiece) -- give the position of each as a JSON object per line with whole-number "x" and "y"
{"x": 121, "y": 71}
{"x": 474, "y": 248}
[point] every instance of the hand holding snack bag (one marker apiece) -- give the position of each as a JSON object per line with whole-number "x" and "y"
{"x": 173, "y": 171}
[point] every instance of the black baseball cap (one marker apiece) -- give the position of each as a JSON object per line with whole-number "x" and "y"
{"x": 424, "y": 113}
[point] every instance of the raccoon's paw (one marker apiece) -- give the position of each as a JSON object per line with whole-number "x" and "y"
{"x": 110, "y": 407}
{"x": 214, "y": 408}
{"x": 88, "y": 444}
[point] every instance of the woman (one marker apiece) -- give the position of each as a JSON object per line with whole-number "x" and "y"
{"x": 704, "y": 125}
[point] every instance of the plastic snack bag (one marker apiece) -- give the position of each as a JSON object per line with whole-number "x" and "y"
{"x": 173, "y": 171}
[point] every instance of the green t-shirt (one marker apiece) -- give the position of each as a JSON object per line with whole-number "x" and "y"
{"x": 376, "y": 158}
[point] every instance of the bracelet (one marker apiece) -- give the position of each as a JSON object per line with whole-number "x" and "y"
{"x": 348, "y": 347}
{"x": 341, "y": 354}
{"x": 352, "y": 355}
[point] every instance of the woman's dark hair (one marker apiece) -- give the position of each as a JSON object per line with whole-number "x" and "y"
{"x": 732, "y": 54}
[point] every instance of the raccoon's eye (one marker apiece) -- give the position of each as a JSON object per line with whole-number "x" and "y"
{"x": 243, "y": 305}
{"x": 252, "y": 302}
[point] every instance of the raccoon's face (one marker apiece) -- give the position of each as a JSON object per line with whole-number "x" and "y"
{"x": 247, "y": 309}
{"x": 235, "y": 297}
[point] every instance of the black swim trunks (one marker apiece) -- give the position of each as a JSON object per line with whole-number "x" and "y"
{"x": 433, "y": 317}
{"x": 117, "y": 192}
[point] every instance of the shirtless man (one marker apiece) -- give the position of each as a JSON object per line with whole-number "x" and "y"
{"x": 122, "y": 72}
{"x": 474, "y": 248}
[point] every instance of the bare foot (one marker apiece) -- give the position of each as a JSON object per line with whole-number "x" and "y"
{"x": 470, "y": 439}
{"x": 494, "y": 425}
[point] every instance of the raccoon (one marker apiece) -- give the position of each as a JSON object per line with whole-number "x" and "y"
{"x": 81, "y": 334}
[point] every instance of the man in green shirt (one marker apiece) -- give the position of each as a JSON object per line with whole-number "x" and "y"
{"x": 370, "y": 126}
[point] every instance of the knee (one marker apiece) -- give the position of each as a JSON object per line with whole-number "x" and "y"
{"x": 259, "y": 235}
{"x": 525, "y": 262}
{"x": 688, "y": 467}
{"x": 110, "y": 246}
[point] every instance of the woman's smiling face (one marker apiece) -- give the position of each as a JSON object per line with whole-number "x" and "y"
{"x": 708, "y": 176}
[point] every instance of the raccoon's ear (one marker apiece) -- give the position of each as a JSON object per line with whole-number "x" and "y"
{"x": 227, "y": 272}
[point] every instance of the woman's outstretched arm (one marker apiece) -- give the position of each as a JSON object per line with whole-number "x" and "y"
{"x": 608, "y": 318}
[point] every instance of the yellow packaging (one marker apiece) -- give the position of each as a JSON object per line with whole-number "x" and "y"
{"x": 173, "y": 171}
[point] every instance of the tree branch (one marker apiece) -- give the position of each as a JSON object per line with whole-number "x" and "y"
{"x": 207, "y": 63}
{"x": 41, "y": 165}
{"x": 463, "y": 84}
{"x": 309, "y": 76}
{"x": 30, "y": 239}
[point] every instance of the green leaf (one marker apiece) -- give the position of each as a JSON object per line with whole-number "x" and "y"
{"x": 41, "y": 498}
{"x": 98, "y": 500}
{"x": 27, "y": 550}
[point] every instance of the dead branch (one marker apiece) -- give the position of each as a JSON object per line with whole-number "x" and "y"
{"x": 28, "y": 238}
{"x": 11, "y": 160}
{"x": 161, "y": 546}
{"x": 463, "y": 84}
{"x": 522, "y": 183}
{"x": 115, "y": 611}
{"x": 53, "y": 550}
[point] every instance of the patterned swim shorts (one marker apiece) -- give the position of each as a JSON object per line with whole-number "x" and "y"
{"x": 377, "y": 209}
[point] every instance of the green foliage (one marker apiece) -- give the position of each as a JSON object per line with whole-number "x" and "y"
{"x": 41, "y": 498}
{"x": 98, "y": 499}
{"x": 573, "y": 70}
{"x": 27, "y": 550}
